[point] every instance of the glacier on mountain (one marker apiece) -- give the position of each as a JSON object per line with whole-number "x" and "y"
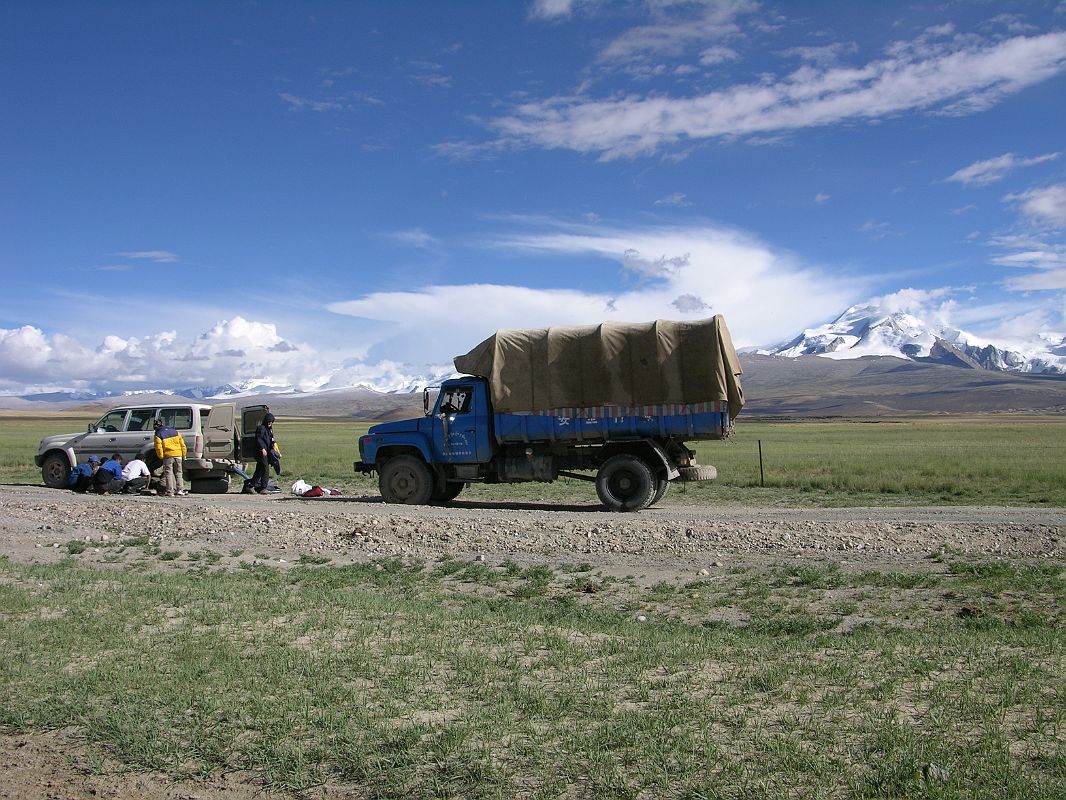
{"x": 868, "y": 330}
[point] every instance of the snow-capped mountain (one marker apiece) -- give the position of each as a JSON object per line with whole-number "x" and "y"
{"x": 869, "y": 330}
{"x": 387, "y": 383}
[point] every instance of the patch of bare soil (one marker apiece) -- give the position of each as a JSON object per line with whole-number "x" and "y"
{"x": 53, "y": 765}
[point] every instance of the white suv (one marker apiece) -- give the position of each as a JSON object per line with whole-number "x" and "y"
{"x": 210, "y": 433}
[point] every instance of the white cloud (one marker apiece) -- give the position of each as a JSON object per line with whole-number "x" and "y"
{"x": 413, "y": 237}
{"x": 823, "y": 55}
{"x": 923, "y": 75}
{"x": 982, "y": 173}
{"x": 718, "y": 54}
{"x": 673, "y": 35}
{"x": 933, "y": 305}
{"x": 297, "y": 103}
{"x": 233, "y": 351}
{"x": 677, "y": 199}
{"x": 1045, "y": 206}
{"x": 878, "y": 230}
{"x": 551, "y": 9}
{"x": 764, "y": 294}
{"x": 159, "y": 256}
{"x": 821, "y": 198}
{"x": 1048, "y": 279}
{"x": 1045, "y": 260}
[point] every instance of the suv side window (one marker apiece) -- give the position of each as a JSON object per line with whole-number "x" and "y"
{"x": 112, "y": 420}
{"x": 141, "y": 419}
{"x": 177, "y": 418}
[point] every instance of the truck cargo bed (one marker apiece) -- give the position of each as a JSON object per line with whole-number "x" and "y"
{"x": 602, "y": 423}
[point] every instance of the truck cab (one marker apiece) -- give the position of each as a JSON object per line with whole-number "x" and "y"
{"x": 431, "y": 458}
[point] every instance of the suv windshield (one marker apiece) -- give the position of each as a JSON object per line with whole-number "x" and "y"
{"x": 112, "y": 421}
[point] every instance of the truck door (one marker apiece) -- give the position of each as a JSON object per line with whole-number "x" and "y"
{"x": 460, "y": 426}
{"x": 219, "y": 431}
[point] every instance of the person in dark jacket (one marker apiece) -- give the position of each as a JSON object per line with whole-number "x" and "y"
{"x": 109, "y": 477}
{"x": 81, "y": 477}
{"x": 266, "y": 454}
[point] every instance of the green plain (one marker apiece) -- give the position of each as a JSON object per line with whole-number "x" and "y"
{"x": 997, "y": 460}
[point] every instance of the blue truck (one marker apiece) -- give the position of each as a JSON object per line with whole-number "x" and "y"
{"x": 614, "y": 404}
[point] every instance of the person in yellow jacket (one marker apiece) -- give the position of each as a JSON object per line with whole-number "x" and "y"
{"x": 170, "y": 447}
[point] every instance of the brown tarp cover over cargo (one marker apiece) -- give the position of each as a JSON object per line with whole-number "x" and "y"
{"x": 614, "y": 363}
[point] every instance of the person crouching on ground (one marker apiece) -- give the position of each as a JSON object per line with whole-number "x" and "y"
{"x": 264, "y": 450}
{"x": 136, "y": 475}
{"x": 170, "y": 447}
{"x": 81, "y": 477}
{"x": 109, "y": 477}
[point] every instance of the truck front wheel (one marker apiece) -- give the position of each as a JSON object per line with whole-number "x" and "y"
{"x": 445, "y": 492}
{"x": 625, "y": 483}
{"x": 406, "y": 479}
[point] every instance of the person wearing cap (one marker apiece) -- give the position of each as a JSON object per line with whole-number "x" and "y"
{"x": 266, "y": 453}
{"x": 170, "y": 447}
{"x": 81, "y": 477}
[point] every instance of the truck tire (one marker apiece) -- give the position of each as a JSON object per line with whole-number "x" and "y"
{"x": 406, "y": 479}
{"x": 55, "y": 471}
{"x": 662, "y": 486}
{"x": 210, "y": 485}
{"x": 445, "y": 492}
{"x": 625, "y": 483}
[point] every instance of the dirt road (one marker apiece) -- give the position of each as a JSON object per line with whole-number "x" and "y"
{"x": 36, "y": 523}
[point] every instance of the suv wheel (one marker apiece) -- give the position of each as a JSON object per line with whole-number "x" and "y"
{"x": 56, "y": 471}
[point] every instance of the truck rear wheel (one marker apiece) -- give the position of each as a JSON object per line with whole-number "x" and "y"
{"x": 662, "y": 486}
{"x": 625, "y": 483}
{"x": 406, "y": 479}
{"x": 55, "y": 471}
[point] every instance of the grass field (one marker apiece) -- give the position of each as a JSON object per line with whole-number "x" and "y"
{"x": 1003, "y": 460}
{"x": 460, "y": 679}
{"x": 463, "y": 679}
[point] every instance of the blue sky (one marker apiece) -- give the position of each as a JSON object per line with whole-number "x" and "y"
{"x": 321, "y": 194}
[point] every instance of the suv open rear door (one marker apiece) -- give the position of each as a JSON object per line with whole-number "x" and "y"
{"x": 251, "y": 417}
{"x": 220, "y": 433}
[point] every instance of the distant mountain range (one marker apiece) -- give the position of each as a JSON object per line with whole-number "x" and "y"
{"x": 868, "y": 330}
{"x": 866, "y": 362}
